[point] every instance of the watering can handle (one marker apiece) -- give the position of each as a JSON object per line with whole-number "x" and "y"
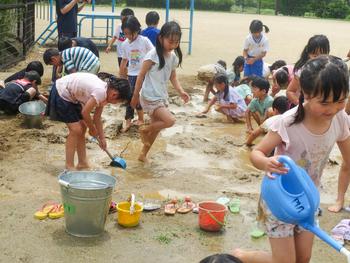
{"x": 286, "y": 160}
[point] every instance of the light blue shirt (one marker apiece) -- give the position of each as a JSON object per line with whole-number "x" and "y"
{"x": 260, "y": 106}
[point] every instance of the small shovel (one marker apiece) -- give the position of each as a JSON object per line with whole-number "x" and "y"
{"x": 116, "y": 161}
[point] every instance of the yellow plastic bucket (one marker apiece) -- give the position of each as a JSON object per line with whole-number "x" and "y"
{"x": 126, "y": 219}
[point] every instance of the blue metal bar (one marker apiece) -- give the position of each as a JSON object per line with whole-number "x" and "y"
{"x": 51, "y": 11}
{"x": 191, "y": 28}
{"x": 93, "y": 20}
{"x": 167, "y": 10}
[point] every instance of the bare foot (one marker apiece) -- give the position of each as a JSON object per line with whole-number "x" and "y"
{"x": 83, "y": 166}
{"x": 138, "y": 122}
{"x": 336, "y": 207}
{"x": 143, "y": 158}
{"x": 126, "y": 127}
{"x": 70, "y": 168}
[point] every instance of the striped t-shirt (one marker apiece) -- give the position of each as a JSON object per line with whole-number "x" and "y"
{"x": 79, "y": 58}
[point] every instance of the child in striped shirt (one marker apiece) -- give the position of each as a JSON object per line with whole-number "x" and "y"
{"x": 75, "y": 59}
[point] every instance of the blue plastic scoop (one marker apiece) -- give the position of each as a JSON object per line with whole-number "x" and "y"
{"x": 293, "y": 198}
{"x": 116, "y": 161}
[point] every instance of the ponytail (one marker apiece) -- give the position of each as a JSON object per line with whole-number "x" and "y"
{"x": 267, "y": 30}
{"x": 300, "y": 114}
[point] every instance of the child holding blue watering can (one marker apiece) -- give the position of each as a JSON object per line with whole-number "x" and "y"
{"x": 307, "y": 134}
{"x": 255, "y": 47}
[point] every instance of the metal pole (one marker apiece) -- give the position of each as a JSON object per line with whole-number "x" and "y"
{"x": 113, "y": 9}
{"x": 93, "y": 21}
{"x": 191, "y": 26}
{"x": 167, "y": 10}
{"x": 51, "y": 11}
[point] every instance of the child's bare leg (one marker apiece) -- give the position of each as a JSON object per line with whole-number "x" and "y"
{"x": 160, "y": 119}
{"x": 146, "y": 147}
{"x": 126, "y": 126}
{"x": 343, "y": 183}
{"x": 280, "y": 248}
{"x": 81, "y": 149}
{"x": 256, "y": 117}
{"x": 140, "y": 116}
{"x": 71, "y": 144}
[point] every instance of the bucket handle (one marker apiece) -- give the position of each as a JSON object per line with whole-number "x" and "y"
{"x": 64, "y": 183}
{"x": 216, "y": 220}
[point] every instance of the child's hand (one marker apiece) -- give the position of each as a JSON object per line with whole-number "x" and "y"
{"x": 108, "y": 49}
{"x": 185, "y": 97}
{"x": 93, "y": 132}
{"x": 134, "y": 101}
{"x": 250, "y": 61}
{"x": 274, "y": 166}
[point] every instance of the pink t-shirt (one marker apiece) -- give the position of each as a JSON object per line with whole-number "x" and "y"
{"x": 309, "y": 150}
{"x": 79, "y": 87}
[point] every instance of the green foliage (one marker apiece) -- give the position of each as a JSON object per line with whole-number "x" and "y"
{"x": 294, "y": 7}
{"x": 331, "y": 8}
{"x": 218, "y": 5}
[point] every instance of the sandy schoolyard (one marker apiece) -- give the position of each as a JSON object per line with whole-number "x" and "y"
{"x": 203, "y": 158}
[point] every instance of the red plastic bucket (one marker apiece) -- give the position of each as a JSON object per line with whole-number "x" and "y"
{"x": 211, "y": 216}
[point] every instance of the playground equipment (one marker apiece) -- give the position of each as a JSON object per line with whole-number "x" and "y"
{"x": 45, "y": 10}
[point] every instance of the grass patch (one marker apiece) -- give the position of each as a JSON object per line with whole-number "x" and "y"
{"x": 166, "y": 238}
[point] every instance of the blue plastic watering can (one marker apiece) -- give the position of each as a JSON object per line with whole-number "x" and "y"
{"x": 293, "y": 198}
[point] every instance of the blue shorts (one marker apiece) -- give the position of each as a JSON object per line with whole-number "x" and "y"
{"x": 254, "y": 69}
{"x": 59, "y": 109}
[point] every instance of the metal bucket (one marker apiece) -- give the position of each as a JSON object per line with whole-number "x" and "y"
{"x": 33, "y": 112}
{"x": 86, "y": 198}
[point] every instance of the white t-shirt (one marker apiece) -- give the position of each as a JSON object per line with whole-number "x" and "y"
{"x": 135, "y": 52}
{"x": 120, "y": 39}
{"x": 256, "y": 48}
{"x": 154, "y": 86}
{"x": 79, "y": 87}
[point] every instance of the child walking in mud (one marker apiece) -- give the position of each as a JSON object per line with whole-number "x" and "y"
{"x": 158, "y": 67}
{"x": 72, "y": 100}
{"x": 229, "y": 102}
{"x": 307, "y": 134}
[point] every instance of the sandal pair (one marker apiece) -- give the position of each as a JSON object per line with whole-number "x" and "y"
{"x": 51, "y": 210}
{"x": 173, "y": 207}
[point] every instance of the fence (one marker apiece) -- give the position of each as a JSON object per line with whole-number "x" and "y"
{"x": 17, "y": 31}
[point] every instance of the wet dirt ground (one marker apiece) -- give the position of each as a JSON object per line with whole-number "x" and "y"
{"x": 198, "y": 157}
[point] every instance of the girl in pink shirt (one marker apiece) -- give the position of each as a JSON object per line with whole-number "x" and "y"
{"x": 72, "y": 100}
{"x": 307, "y": 134}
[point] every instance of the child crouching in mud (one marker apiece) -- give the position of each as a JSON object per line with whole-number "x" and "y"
{"x": 229, "y": 102}
{"x": 72, "y": 99}
{"x": 158, "y": 67}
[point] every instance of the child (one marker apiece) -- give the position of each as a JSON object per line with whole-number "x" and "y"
{"x": 119, "y": 34}
{"x": 260, "y": 106}
{"x": 281, "y": 78}
{"x": 220, "y": 258}
{"x": 307, "y": 134}
{"x": 234, "y": 74}
{"x": 152, "y": 20}
{"x": 207, "y": 73}
{"x": 279, "y": 106}
{"x": 66, "y": 42}
{"x": 230, "y": 103}
{"x": 34, "y": 65}
{"x": 159, "y": 67}
{"x": 75, "y": 59}
{"x": 134, "y": 51}
{"x": 19, "y": 91}
{"x": 317, "y": 45}
{"x": 72, "y": 99}
{"x": 256, "y": 46}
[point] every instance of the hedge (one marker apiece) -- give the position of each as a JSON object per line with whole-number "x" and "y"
{"x": 218, "y": 5}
